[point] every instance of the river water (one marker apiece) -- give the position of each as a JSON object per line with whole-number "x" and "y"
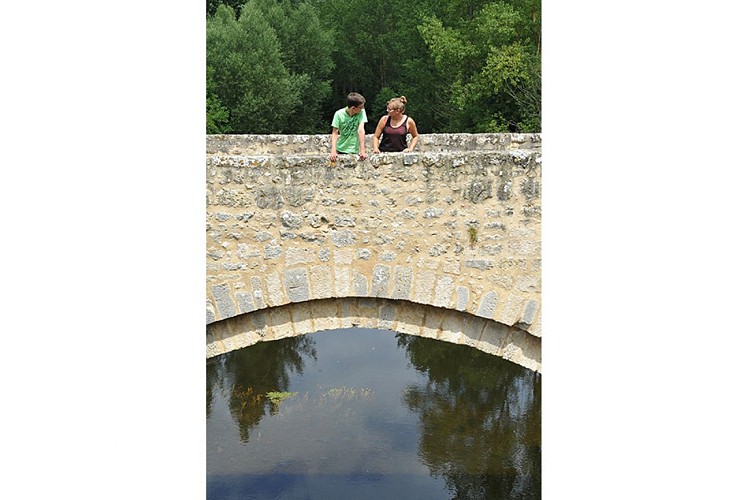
{"x": 370, "y": 414}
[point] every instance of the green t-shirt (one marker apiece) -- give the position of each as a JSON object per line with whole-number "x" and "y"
{"x": 347, "y": 125}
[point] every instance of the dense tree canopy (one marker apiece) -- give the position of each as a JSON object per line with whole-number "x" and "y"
{"x": 285, "y": 66}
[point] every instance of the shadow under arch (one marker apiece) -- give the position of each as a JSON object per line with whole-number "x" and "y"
{"x": 422, "y": 320}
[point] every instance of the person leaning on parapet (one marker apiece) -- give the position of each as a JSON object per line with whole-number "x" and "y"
{"x": 348, "y": 128}
{"x": 392, "y": 129}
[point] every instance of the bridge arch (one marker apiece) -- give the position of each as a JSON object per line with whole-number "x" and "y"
{"x": 451, "y": 229}
{"x": 421, "y": 320}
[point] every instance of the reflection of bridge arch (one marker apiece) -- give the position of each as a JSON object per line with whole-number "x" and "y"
{"x": 402, "y": 316}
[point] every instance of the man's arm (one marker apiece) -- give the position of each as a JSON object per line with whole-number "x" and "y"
{"x": 334, "y": 138}
{"x": 361, "y": 140}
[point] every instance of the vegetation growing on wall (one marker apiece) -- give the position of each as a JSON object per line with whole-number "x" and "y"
{"x": 285, "y": 66}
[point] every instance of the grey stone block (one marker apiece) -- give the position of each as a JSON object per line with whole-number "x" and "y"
{"x": 530, "y": 309}
{"x": 360, "y": 284}
{"x": 462, "y": 298}
{"x": 381, "y": 275}
{"x": 488, "y": 304}
{"x": 402, "y": 282}
{"x": 245, "y": 302}
{"x": 343, "y": 238}
{"x": 296, "y": 281}
{"x": 226, "y": 307}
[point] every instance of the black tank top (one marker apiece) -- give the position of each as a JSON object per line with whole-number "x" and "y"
{"x": 394, "y": 139}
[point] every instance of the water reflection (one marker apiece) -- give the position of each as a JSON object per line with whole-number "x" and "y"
{"x": 249, "y": 374}
{"x": 375, "y": 415}
{"x": 479, "y": 425}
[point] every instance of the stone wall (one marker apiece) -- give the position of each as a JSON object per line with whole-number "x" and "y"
{"x": 455, "y": 225}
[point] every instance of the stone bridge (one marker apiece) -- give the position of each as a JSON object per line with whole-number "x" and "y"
{"x": 444, "y": 242}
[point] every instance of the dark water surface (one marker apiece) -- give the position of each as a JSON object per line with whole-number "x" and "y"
{"x": 370, "y": 414}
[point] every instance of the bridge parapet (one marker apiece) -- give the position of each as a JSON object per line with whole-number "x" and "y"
{"x": 320, "y": 144}
{"x": 455, "y": 226}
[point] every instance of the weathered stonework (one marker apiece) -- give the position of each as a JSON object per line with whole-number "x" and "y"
{"x": 454, "y": 227}
{"x": 414, "y": 319}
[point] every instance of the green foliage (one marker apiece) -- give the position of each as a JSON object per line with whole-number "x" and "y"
{"x": 493, "y": 73}
{"x": 263, "y": 77}
{"x": 285, "y": 66}
{"x": 278, "y": 397}
{"x": 472, "y": 232}
{"x": 217, "y": 115}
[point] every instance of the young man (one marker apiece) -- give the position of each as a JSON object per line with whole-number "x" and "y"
{"x": 348, "y": 128}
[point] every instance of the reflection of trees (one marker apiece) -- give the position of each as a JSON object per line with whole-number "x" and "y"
{"x": 246, "y": 375}
{"x": 479, "y": 418}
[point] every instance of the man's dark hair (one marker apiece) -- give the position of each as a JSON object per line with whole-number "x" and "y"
{"x": 355, "y": 99}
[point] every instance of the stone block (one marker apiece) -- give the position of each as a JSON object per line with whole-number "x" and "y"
{"x": 488, "y": 304}
{"x": 296, "y": 282}
{"x": 245, "y": 302}
{"x": 424, "y": 282}
{"x": 274, "y": 288}
{"x": 402, "y": 282}
{"x": 380, "y": 285}
{"x": 224, "y": 304}
{"x": 321, "y": 282}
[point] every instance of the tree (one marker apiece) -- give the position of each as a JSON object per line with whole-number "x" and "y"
{"x": 251, "y": 80}
{"x": 217, "y": 115}
{"x": 491, "y": 62}
{"x": 306, "y": 50}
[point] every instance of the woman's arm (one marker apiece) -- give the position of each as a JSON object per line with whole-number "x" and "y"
{"x": 377, "y": 134}
{"x": 412, "y": 127}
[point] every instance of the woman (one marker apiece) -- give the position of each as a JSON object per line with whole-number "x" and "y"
{"x": 392, "y": 129}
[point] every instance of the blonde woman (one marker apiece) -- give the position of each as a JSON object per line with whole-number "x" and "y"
{"x": 392, "y": 129}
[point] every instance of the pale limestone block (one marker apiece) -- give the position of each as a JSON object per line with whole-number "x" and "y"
{"x": 462, "y": 298}
{"x": 492, "y": 338}
{"x": 452, "y": 267}
{"x": 368, "y": 312}
{"x": 219, "y": 331}
{"x": 343, "y": 257}
{"x": 210, "y": 312}
{"x": 443, "y": 291}
{"x": 528, "y": 284}
{"x": 452, "y": 327}
{"x": 325, "y": 315}
{"x": 274, "y": 289}
{"x": 432, "y": 325}
{"x": 280, "y": 325}
{"x": 214, "y": 349}
{"x": 321, "y": 282}
{"x": 345, "y": 313}
{"x": 342, "y": 278}
{"x": 472, "y": 331}
{"x": 424, "y": 282}
{"x": 431, "y": 264}
{"x": 295, "y": 256}
{"x": 402, "y": 282}
{"x": 302, "y": 321}
{"x": 297, "y": 284}
{"x": 524, "y": 247}
{"x": 387, "y": 315}
{"x": 523, "y": 350}
{"x": 511, "y": 310}
{"x": 488, "y": 303}
{"x": 536, "y": 327}
{"x": 359, "y": 283}
{"x": 258, "y": 297}
{"x": 233, "y": 343}
{"x": 380, "y": 284}
{"x": 410, "y": 319}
